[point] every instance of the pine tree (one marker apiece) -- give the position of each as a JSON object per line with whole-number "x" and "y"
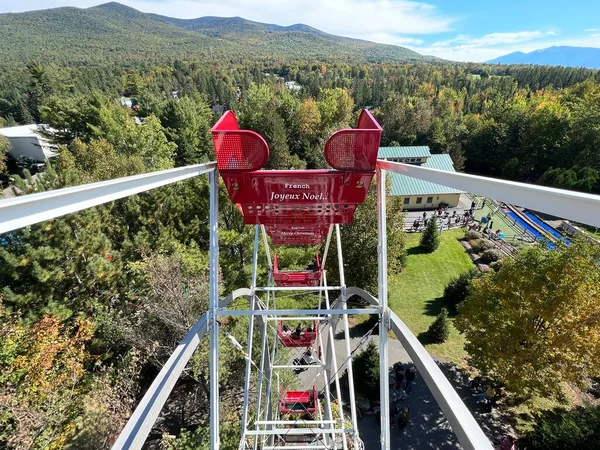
{"x": 439, "y": 330}
{"x": 430, "y": 240}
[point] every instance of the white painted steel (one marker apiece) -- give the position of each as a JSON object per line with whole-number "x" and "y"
{"x": 299, "y": 366}
{"x": 250, "y": 335}
{"x": 138, "y": 427}
{"x": 19, "y": 212}
{"x": 296, "y": 319}
{"x": 308, "y": 312}
{"x": 326, "y": 252}
{"x": 304, "y": 447}
{"x": 467, "y": 430}
{"x": 300, "y": 431}
{"x": 140, "y": 423}
{"x": 300, "y": 288}
{"x": 384, "y": 387}
{"x": 347, "y": 337}
{"x": 577, "y": 206}
{"x": 293, "y": 422}
{"x": 215, "y": 441}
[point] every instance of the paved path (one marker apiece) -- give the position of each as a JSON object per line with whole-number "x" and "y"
{"x": 428, "y": 428}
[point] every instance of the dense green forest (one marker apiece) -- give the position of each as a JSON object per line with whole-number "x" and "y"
{"x": 92, "y": 304}
{"x": 114, "y": 31}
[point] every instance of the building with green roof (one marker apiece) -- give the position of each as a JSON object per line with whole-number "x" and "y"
{"x": 420, "y": 194}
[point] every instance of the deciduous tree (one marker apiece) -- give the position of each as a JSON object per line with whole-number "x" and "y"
{"x": 534, "y": 323}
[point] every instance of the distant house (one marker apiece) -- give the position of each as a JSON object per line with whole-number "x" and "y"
{"x": 126, "y": 101}
{"x": 27, "y": 141}
{"x": 293, "y": 86}
{"x": 420, "y": 194}
{"x": 218, "y": 110}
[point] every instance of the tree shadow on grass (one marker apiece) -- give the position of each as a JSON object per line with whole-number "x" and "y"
{"x": 425, "y": 338}
{"x": 416, "y": 251}
{"x": 434, "y": 306}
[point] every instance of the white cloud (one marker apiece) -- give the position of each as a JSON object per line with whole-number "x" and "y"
{"x": 385, "y": 20}
{"x": 592, "y": 30}
{"x": 493, "y": 39}
{"x": 389, "y": 38}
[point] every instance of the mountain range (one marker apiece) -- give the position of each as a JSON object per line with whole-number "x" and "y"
{"x": 555, "y": 56}
{"x": 112, "y": 31}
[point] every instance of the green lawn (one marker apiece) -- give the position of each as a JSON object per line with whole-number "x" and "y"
{"x": 415, "y": 293}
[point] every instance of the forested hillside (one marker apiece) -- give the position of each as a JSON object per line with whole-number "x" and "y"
{"x": 92, "y": 304}
{"x": 118, "y": 33}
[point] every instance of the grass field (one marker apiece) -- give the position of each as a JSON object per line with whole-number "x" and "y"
{"x": 415, "y": 293}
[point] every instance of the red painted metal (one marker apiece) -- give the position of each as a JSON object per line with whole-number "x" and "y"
{"x": 298, "y": 402}
{"x": 296, "y": 278}
{"x": 305, "y": 198}
{"x": 238, "y": 150}
{"x": 306, "y": 339}
{"x": 297, "y": 234}
{"x": 355, "y": 150}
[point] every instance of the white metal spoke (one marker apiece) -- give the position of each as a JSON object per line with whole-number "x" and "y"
{"x": 19, "y": 212}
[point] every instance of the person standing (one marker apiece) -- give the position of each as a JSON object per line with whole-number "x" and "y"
{"x": 410, "y": 375}
{"x": 399, "y": 377}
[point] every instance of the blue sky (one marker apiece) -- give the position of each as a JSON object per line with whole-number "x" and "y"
{"x": 461, "y": 30}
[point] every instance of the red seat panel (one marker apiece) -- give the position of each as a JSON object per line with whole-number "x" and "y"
{"x": 298, "y": 402}
{"x": 297, "y": 234}
{"x": 296, "y": 197}
{"x": 296, "y": 278}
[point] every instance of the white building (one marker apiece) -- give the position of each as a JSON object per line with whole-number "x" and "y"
{"x": 26, "y": 140}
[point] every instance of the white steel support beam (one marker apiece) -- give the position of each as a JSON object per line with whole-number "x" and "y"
{"x": 140, "y": 423}
{"x": 577, "y": 206}
{"x": 264, "y": 358}
{"x": 326, "y": 251}
{"x": 347, "y": 337}
{"x": 215, "y": 441}
{"x": 384, "y": 387}
{"x": 301, "y": 431}
{"x": 250, "y": 334}
{"x": 331, "y": 364}
{"x": 467, "y": 430}
{"x": 329, "y": 440}
{"x": 299, "y": 288}
{"x": 19, "y": 212}
{"x": 307, "y": 312}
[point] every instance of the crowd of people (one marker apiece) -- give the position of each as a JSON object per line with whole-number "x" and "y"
{"x": 298, "y": 332}
{"x": 448, "y": 220}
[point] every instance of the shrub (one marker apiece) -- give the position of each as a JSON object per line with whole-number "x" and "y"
{"x": 566, "y": 430}
{"x": 492, "y": 255}
{"x": 439, "y": 330}
{"x": 366, "y": 371}
{"x": 470, "y": 235}
{"x": 430, "y": 239}
{"x": 481, "y": 245}
{"x": 458, "y": 289}
{"x": 496, "y": 265}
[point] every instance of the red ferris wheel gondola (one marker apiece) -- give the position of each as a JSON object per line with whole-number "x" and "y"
{"x": 294, "y": 278}
{"x": 303, "y": 339}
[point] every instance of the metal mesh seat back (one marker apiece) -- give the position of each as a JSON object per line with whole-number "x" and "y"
{"x": 238, "y": 150}
{"x": 355, "y": 150}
